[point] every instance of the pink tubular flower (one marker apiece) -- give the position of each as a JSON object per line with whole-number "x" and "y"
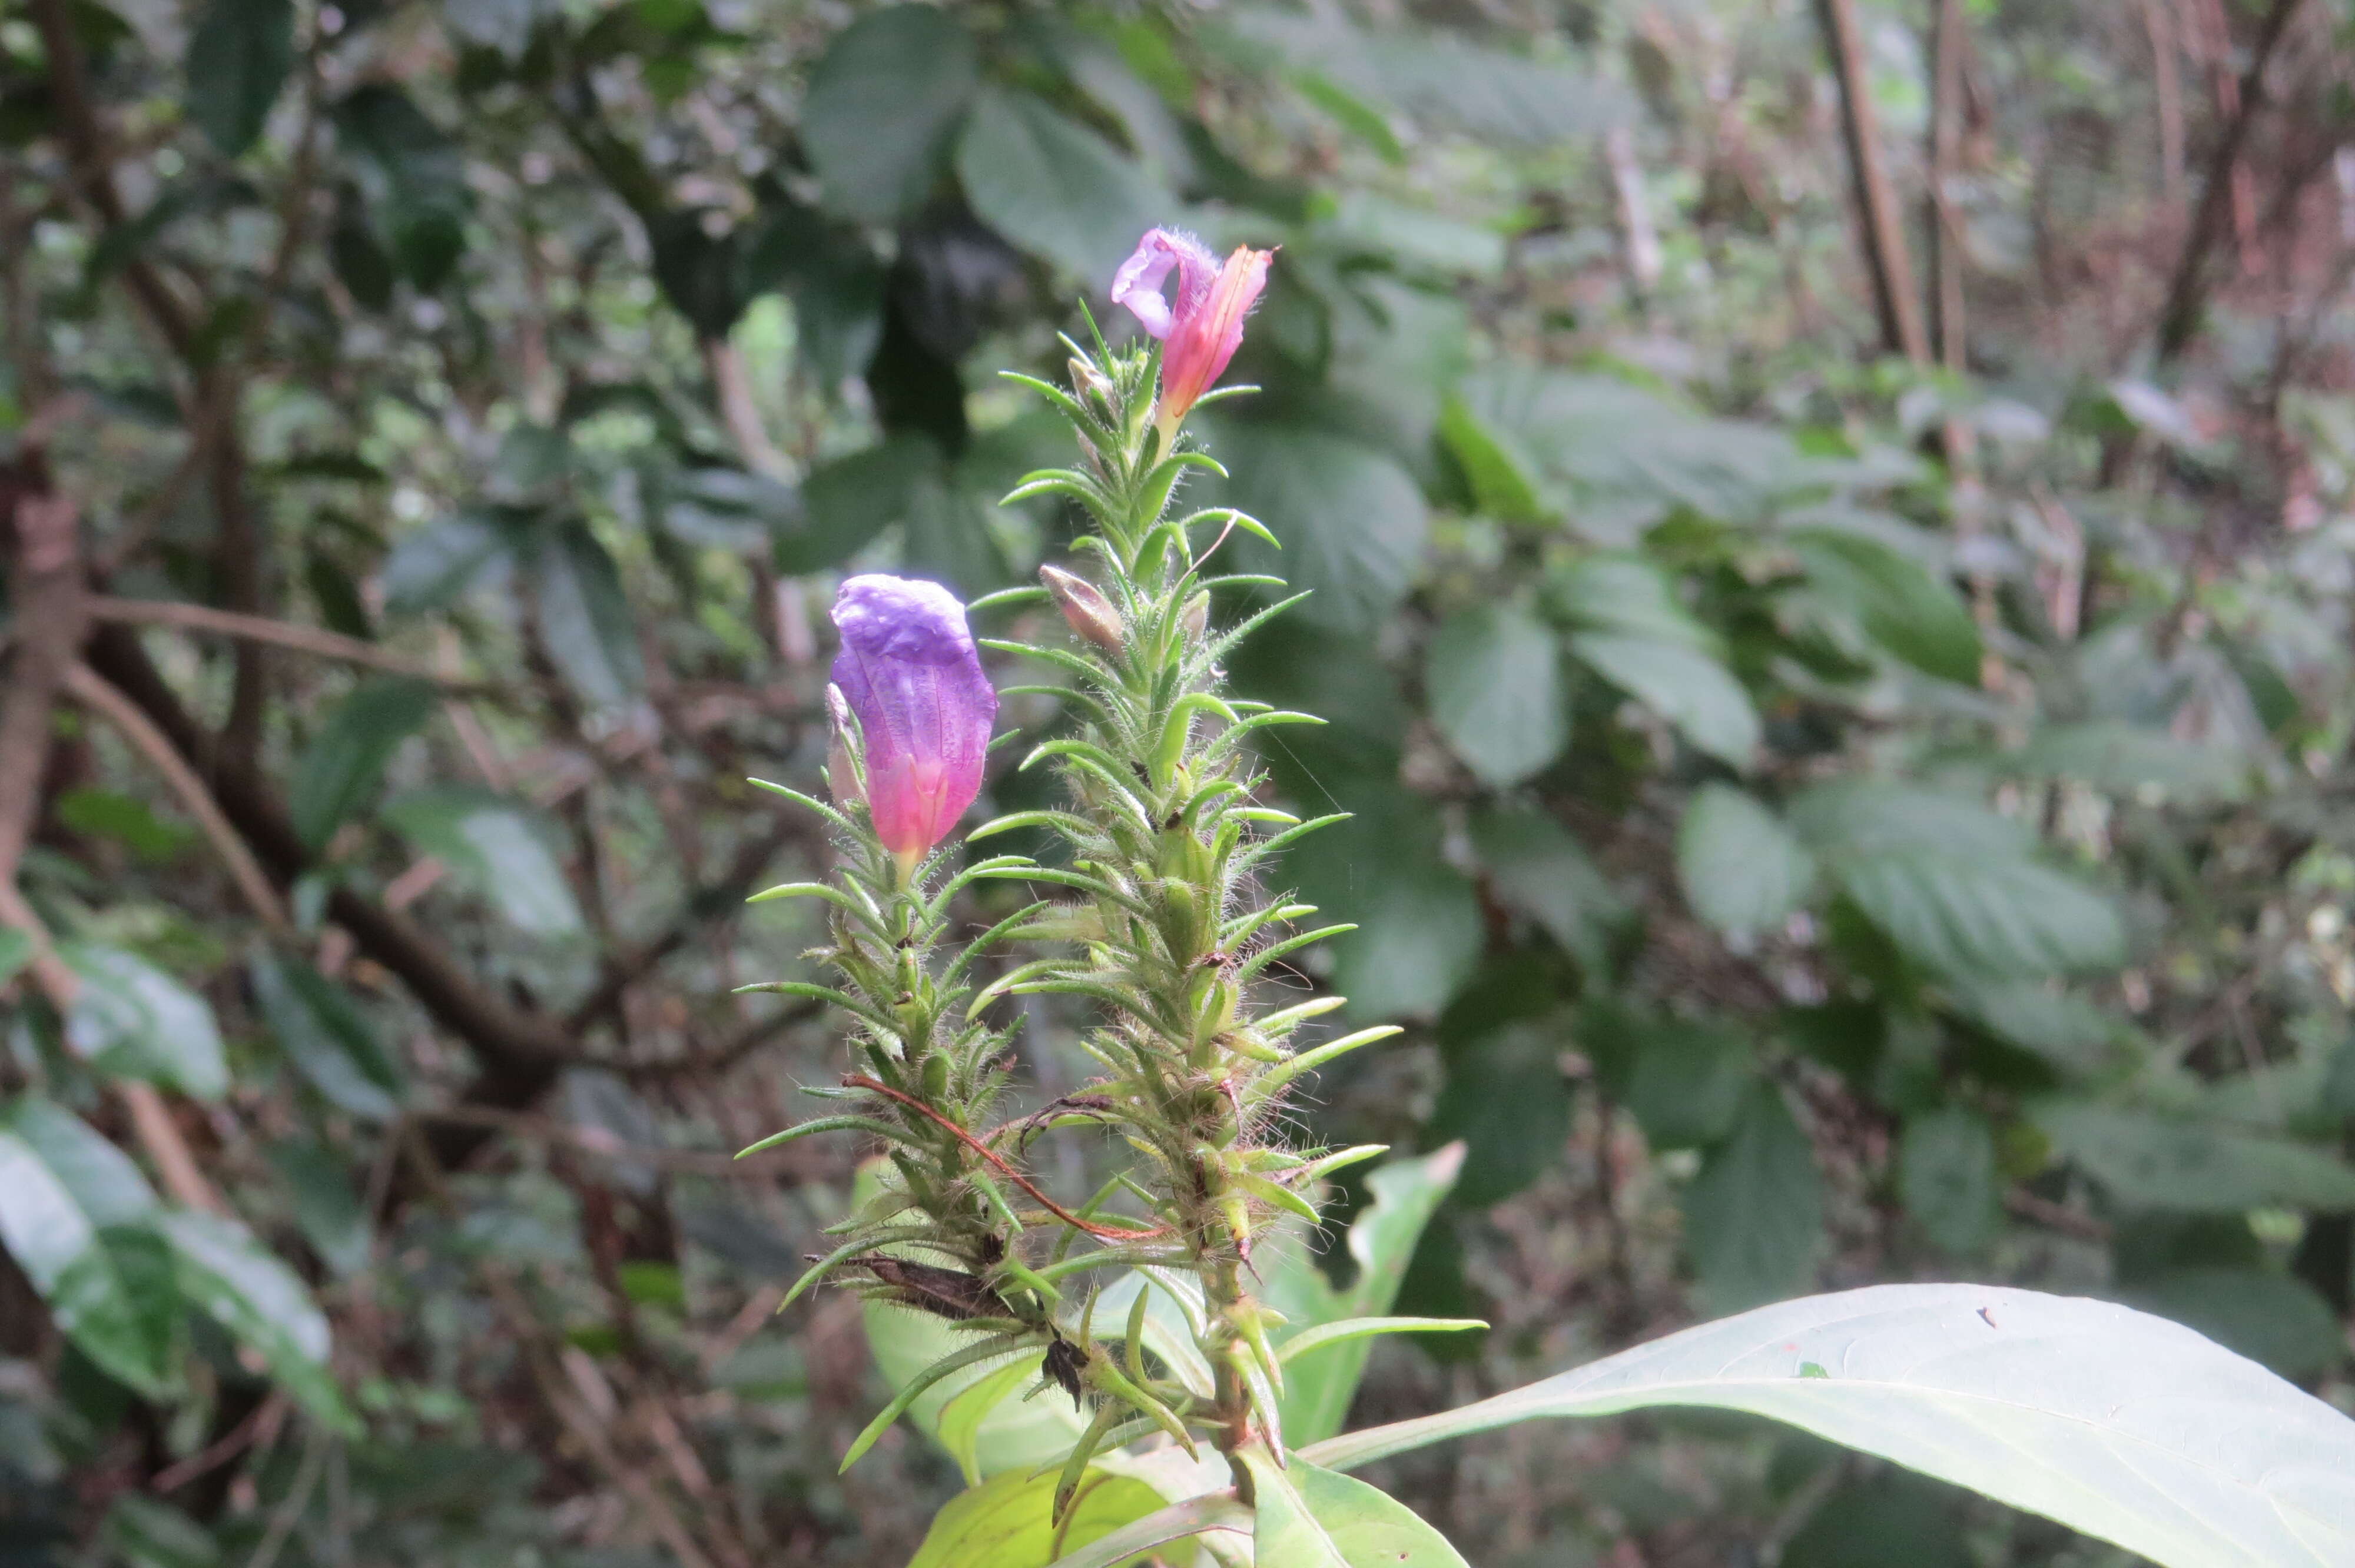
{"x": 910, "y": 673}
{"x": 1203, "y": 326}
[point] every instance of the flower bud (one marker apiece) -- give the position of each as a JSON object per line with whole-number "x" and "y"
{"x": 909, "y": 676}
{"x": 1196, "y": 617}
{"x": 1083, "y": 605}
{"x": 1086, "y": 379}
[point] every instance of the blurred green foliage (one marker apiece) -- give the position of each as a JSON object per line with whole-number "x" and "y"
{"x": 1824, "y": 815}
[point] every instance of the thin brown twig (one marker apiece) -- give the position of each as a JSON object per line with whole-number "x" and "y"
{"x": 90, "y": 689}
{"x": 261, "y": 628}
{"x": 1105, "y": 1232}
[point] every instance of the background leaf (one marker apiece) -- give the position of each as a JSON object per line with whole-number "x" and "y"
{"x": 344, "y": 765}
{"x": 884, "y": 102}
{"x": 1741, "y": 869}
{"x": 239, "y": 53}
{"x": 1494, "y": 675}
{"x": 1753, "y": 1217}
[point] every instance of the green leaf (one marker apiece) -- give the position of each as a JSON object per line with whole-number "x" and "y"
{"x": 2071, "y": 1033}
{"x": 132, "y": 1020}
{"x": 434, "y": 567}
{"x": 105, "y": 1182}
{"x": 344, "y": 765}
{"x": 1420, "y": 932}
{"x": 326, "y": 1207}
{"x": 2269, "y": 1316}
{"x": 495, "y": 846}
{"x": 1506, "y": 1097}
{"x": 585, "y": 619}
{"x": 850, "y": 500}
{"x": 416, "y": 173}
{"x": 1352, "y": 520}
{"x": 15, "y": 952}
{"x": 1946, "y": 1171}
{"x": 1005, "y": 1523}
{"x": 1503, "y": 484}
{"x": 1684, "y": 685}
{"x": 241, "y": 1286}
{"x": 1610, "y": 592}
{"x": 1404, "y": 1194}
{"x": 1053, "y": 188}
{"x": 1996, "y": 918}
{"x": 1616, "y": 458}
{"x": 1741, "y": 869}
{"x": 2125, "y": 759}
{"x": 884, "y": 101}
{"x": 1754, "y": 1216}
{"x": 238, "y": 55}
{"x": 327, "y": 1036}
{"x": 1537, "y": 869}
{"x": 2112, "y": 1422}
{"x": 108, "y": 815}
{"x": 2152, "y": 1161}
{"x": 1314, "y": 1518}
{"x": 1917, "y": 617}
{"x": 145, "y": 1533}
{"x": 1493, "y": 677}
{"x": 1688, "y": 1084}
{"x": 90, "y": 1291}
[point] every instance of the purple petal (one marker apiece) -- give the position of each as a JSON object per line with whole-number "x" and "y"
{"x": 1137, "y": 284}
{"x": 909, "y": 672}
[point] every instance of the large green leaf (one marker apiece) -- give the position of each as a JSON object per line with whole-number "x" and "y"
{"x": 1494, "y": 676}
{"x": 2134, "y": 759}
{"x": 243, "y": 1286}
{"x": 239, "y": 54}
{"x": 433, "y": 567}
{"x": 1616, "y": 457}
{"x": 1055, "y": 187}
{"x": 585, "y": 619}
{"x": 2000, "y": 918}
{"x": 105, "y": 1182}
{"x": 132, "y": 1020}
{"x": 345, "y": 763}
{"x": 2115, "y": 1423}
{"x": 1506, "y": 1097}
{"x": 1536, "y": 868}
{"x": 494, "y": 846}
{"x": 850, "y": 499}
{"x": 415, "y": 171}
{"x": 1946, "y": 1171}
{"x": 1754, "y": 1216}
{"x": 1382, "y": 1235}
{"x": 1352, "y": 520}
{"x": 2148, "y": 1160}
{"x": 1741, "y": 869}
{"x": 1955, "y": 886}
{"x": 1681, "y": 683}
{"x": 884, "y": 101}
{"x": 1898, "y": 603}
{"x": 1309, "y": 1517}
{"x": 95, "y": 1290}
{"x": 1007, "y": 1522}
{"x": 327, "y": 1036}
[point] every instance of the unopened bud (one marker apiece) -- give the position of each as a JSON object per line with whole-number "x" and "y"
{"x": 841, "y": 769}
{"x": 1196, "y": 617}
{"x": 1086, "y": 378}
{"x": 1084, "y": 605}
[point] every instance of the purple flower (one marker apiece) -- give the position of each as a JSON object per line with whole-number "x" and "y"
{"x": 1203, "y": 326}
{"x": 910, "y": 673}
